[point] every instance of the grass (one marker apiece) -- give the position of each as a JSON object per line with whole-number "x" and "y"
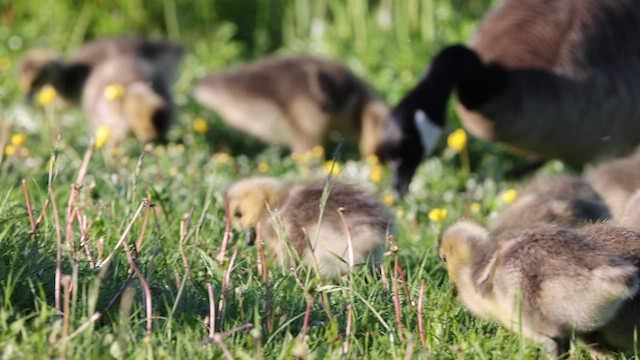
{"x": 163, "y": 289}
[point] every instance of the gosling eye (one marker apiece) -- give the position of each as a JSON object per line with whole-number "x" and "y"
{"x": 238, "y": 213}
{"x": 443, "y": 258}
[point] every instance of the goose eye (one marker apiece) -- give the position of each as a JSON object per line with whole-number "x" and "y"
{"x": 238, "y": 213}
{"x": 443, "y": 258}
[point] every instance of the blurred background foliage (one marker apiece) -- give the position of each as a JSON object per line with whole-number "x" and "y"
{"x": 388, "y": 42}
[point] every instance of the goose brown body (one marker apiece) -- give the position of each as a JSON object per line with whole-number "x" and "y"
{"x": 296, "y": 102}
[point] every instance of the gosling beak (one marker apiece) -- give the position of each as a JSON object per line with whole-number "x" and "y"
{"x": 251, "y": 236}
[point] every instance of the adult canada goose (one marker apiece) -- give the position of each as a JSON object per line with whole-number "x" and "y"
{"x": 289, "y": 214}
{"x": 544, "y": 281}
{"x": 129, "y": 95}
{"x": 41, "y": 67}
{"x": 564, "y": 200}
{"x": 616, "y": 181}
{"x": 296, "y": 101}
{"x": 549, "y": 78}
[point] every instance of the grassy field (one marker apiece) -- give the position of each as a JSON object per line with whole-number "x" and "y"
{"x": 165, "y": 204}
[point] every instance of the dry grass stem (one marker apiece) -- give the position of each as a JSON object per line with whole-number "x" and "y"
{"x": 348, "y": 233}
{"x": 383, "y": 275}
{"x": 218, "y": 338}
{"x": 145, "y": 286}
{"x": 86, "y": 325}
{"x": 305, "y": 322}
{"x": 66, "y": 282}
{"x": 212, "y": 312}
{"x": 75, "y": 190}
{"x": 120, "y": 291}
{"x": 347, "y": 331}
{"x": 423, "y": 341}
{"x": 226, "y": 285}
{"x": 125, "y": 233}
{"x": 227, "y": 230}
{"x": 84, "y": 230}
{"x": 407, "y": 294}
{"x": 58, "y": 273}
{"x": 32, "y": 219}
{"x": 396, "y": 299}
{"x": 145, "y": 221}
{"x": 264, "y": 271}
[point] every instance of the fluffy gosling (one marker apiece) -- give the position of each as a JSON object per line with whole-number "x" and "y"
{"x": 129, "y": 95}
{"x": 530, "y": 280}
{"x": 296, "y": 102}
{"x": 289, "y": 214}
{"x": 616, "y": 181}
{"x": 566, "y": 201}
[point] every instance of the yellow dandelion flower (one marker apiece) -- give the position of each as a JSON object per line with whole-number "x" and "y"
{"x": 509, "y": 196}
{"x": 317, "y": 151}
{"x": 223, "y": 158}
{"x": 389, "y": 199}
{"x": 475, "y": 207}
{"x": 437, "y": 214}
{"x": 46, "y": 95}
{"x": 331, "y": 167}
{"x": 376, "y": 174}
{"x": 200, "y": 125}
{"x": 263, "y": 167}
{"x": 399, "y": 213}
{"x": 113, "y": 91}
{"x": 102, "y": 135}
{"x": 457, "y": 140}
{"x": 24, "y": 152}
{"x": 9, "y": 150}
{"x": 18, "y": 139}
{"x": 372, "y": 160}
{"x": 174, "y": 171}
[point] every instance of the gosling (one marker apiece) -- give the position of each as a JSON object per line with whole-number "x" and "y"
{"x": 529, "y": 280}
{"x": 296, "y": 102}
{"x": 129, "y": 95}
{"x": 289, "y": 216}
{"x": 40, "y": 67}
{"x": 616, "y": 181}
{"x": 566, "y": 201}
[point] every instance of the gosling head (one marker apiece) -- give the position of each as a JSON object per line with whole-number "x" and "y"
{"x": 459, "y": 244}
{"x": 149, "y": 114}
{"x": 38, "y": 68}
{"x": 250, "y": 201}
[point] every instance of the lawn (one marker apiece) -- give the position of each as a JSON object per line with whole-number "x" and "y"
{"x": 157, "y": 213}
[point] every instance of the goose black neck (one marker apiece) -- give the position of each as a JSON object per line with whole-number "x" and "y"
{"x": 452, "y": 66}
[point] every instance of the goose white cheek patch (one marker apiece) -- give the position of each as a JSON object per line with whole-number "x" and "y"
{"x": 428, "y": 131}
